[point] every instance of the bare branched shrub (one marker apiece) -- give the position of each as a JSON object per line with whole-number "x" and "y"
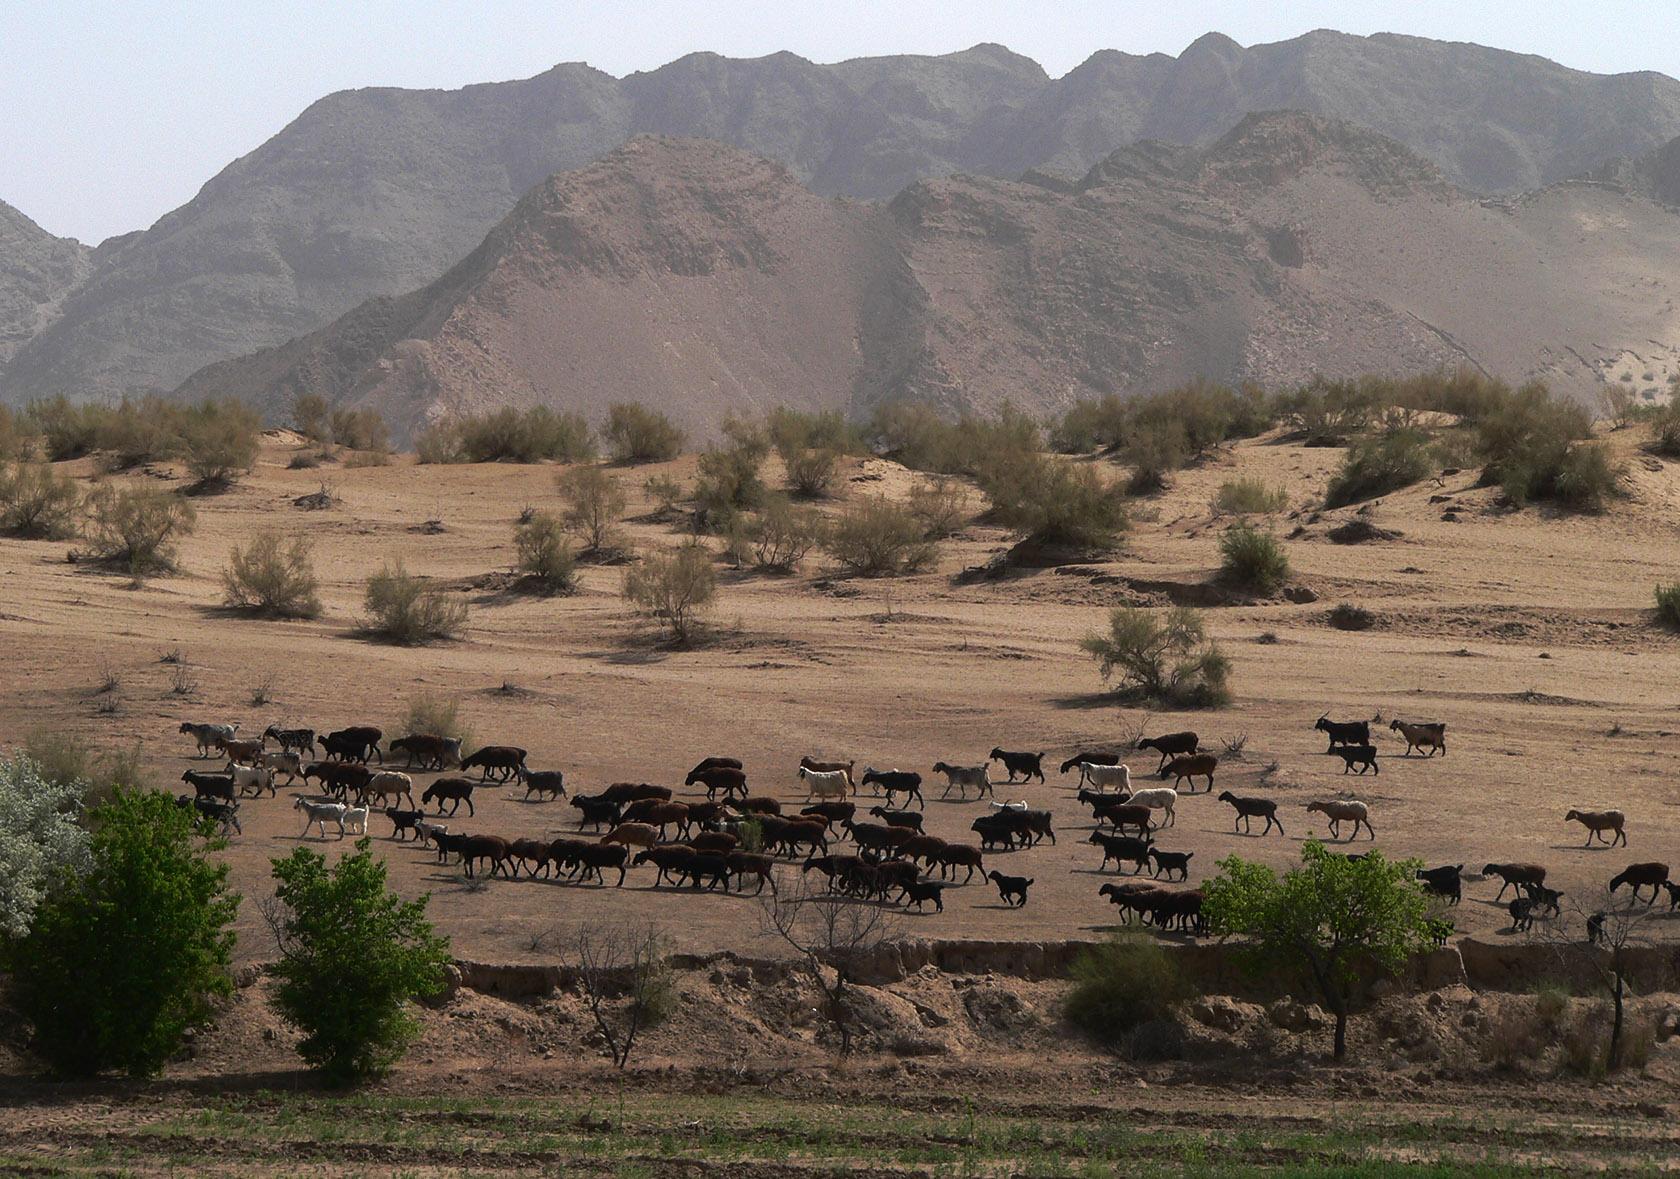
{"x": 406, "y": 608}
{"x": 594, "y": 504}
{"x": 37, "y": 502}
{"x": 136, "y": 526}
{"x": 876, "y": 537}
{"x": 940, "y": 504}
{"x": 544, "y": 554}
{"x": 272, "y": 578}
{"x": 637, "y": 434}
{"x": 625, "y": 976}
{"x": 782, "y": 535}
{"x": 834, "y": 937}
{"x": 674, "y": 587}
{"x": 182, "y": 681}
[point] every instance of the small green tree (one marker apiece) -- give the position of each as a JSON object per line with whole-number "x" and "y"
{"x": 674, "y": 587}
{"x": 272, "y": 578}
{"x": 1048, "y": 501}
{"x": 594, "y": 504}
{"x": 121, "y": 959}
{"x": 637, "y": 434}
{"x": 1327, "y": 918}
{"x": 1253, "y": 560}
{"x": 352, "y": 957}
{"x": 1163, "y": 656}
{"x": 543, "y": 554}
{"x": 40, "y": 839}
{"x": 407, "y": 609}
{"x": 136, "y": 526}
{"x": 1377, "y": 466}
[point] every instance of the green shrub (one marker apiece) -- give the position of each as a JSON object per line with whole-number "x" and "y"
{"x": 1376, "y": 466}
{"x": 1668, "y": 604}
{"x": 1587, "y": 478}
{"x": 637, "y": 434}
{"x": 311, "y": 414}
{"x": 1126, "y": 981}
{"x": 439, "y": 442}
{"x": 136, "y": 526}
{"x": 360, "y": 429}
{"x": 353, "y": 956}
{"x": 405, "y": 608}
{"x": 37, "y": 502}
{"x": 1327, "y": 412}
{"x": 17, "y": 436}
{"x": 674, "y": 588}
{"x": 1165, "y": 656}
{"x": 1153, "y": 452}
{"x": 919, "y": 437}
{"x": 543, "y": 554}
{"x": 67, "y": 431}
{"x": 939, "y": 504}
{"x": 1535, "y": 448}
{"x": 507, "y": 434}
{"x": 134, "y": 433}
{"x": 664, "y": 491}
{"x": 1049, "y": 502}
{"x": 875, "y": 537}
{"x": 829, "y": 430}
{"x": 1253, "y": 560}
{"x": 782, "y": 534}
{"x": 594, "y": 504}
{"x": 41, "y": 840}
{"x": 435, "y": 714}
{"x": 271, "y": 578}
{"x": 1249, "y": 495}
{"x": 121, "y": 959}
{"x": 812, "y": 474}
{"x": 729, "y": 480}
{"x": 1091, "y": 425}
{"x": 219, "y": 439}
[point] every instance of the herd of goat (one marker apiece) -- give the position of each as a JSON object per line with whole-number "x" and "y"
{"x": 735, "y": 838}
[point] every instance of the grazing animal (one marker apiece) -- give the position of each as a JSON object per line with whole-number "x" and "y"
{"x": 391, "y": 784}
{"x": 551, "y": 783}
{"x": 1118, "y": 775}
{"x": 834, "y": 812}
{"x": 294, "y": 740}
{"x": 910, "y": 819}
{"x": 1515, "y": 876}
{"x": 320, "y": 813}
{"x": 1027, "y": 765}
{"x": 211, "y": 785}
{"x": 1096, "y": 757}
{"x": 795, "y": 835}
{"x": 1598, "y": 822}
{"x": 1430, "y": 736}
{"x": 920, "y": 847}
{"x": 1522, "y": 913}
{"x": 432, "y": 751}
{"x": 714, "y": 763}
{"x": 1181, "y": 908}
{"x": 1444, "y": 881}
{"x": 919, "y": 892}
{"x": 643, "y": 835}
{"x": 500, "y": 761}
{"x": 356, "y": 743}
{"x": 1160, "y": 798}
{"x": 715, "y": 841}
{"x": 1673, "y": 895}
{"x": 667, "y": 857}
{"x": 960, "y": 778}
{"x": 1363, "y": 756}
{"x": 960, "y": 855}
{"x": 1171, "y": 745}
{"x": 591, "y": 858}
{"x": 405, "y": 821}
{"x": 1652, "y": 875}
{"x": 596, "y": 811}
{"x": 1249, "y": 809}
{"x": 1126, "y": 814}
{"x": 282, "y": 762}
{"x": 1120, "y": 848}
{"x": 492, "y": 848}
{"x": 1544, "y": 898}
{"x": 1132, "y": 896}
{"x": 1197, "y": 765}
{"x": 826, "y": 783}
{"x": 339, "y": 778}
{"x": 623, "y": 792}
{"x": 218, "y": 810}
{"x": 356, "y": 817}
{"x": 994, "y": 830}
{"x": 659, "y": 814}
{"x": 1595, "y": 928}
{"x": 254, "y": 779}
{"x": 732, "y": 780}
{"x": 456, "y": 790}
{"x": 1344, "y": 732}
{"x": 209, "y": 737}
{"x": 1012, "y": 890}
{"x": 1340, "y": 811}
{"x": 828, "y": 767}
{"x": 879, "y": 836}
{"x": 743, "y": 864}
{"x": 241, "y": 753}
{"x": 1170, "y": 862}
{"x": 895, "y": 782}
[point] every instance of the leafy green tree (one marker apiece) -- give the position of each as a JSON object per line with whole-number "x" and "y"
{"x": 674, "y": 587}
{"x": 352, "y": 956}
{"x": 1325, "y": 919}
{"x": 39, "y": 838}
{"x": 1163, "y": 655}
{"x": 122, "y": 959}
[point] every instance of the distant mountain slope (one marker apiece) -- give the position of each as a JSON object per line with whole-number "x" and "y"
{"x": 374, "y": 192}
{"x": 36, "y": 271}
{"x": 695, "y": 277}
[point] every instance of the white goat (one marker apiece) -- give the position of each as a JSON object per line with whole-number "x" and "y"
{"x": 1102, "y": 777}
{"x": 209, "y": 736}
{"x": 282, "y": 762}
{"x": 427, "y": 829}
{"x": 825, "y": 783}
{"x": 256, "y": 779}
{"x": 320, "y": 812}
{"x": 1161, "y": 798}
{"x": 356, "y": 817}
{"x": 962, "y": 777}
{"x": 390, "y": 784}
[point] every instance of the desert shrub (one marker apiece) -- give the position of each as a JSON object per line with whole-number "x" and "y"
{"x": 1665, "y": 428}
{"x": 439, "y": 715}
{"x": 543, "y": 553}
{"x": 219, "y": 439}
{"x": 1165, "y": 656}
{"x": 136, "y": 526}
{"x": 406, "y": 608}
{"x": 1668, "y": 603}
{"x": 538, "y": 433}
{"x": 311, "y": 417}
{"x": 67, "y": 431}
{"x": 637, "y": 434}
{"x": 812, "y": 473}
{"x": 37, "y": 502}
{"x": 272, "y": 578}
{"x": 1619, "y": 405}
{"x": 360, "y": 429}
{"x": 1529, "y": 443}
{"x": 1378, "y": 465}
{"x": 920, "y": 438}
{"x": 876, "y": 537}
{"x": 1587, "y": 478}
{"x": 782, "y": 534}
{"x": 122, "y": 958}
{"x": 439, "y": 442}
{"x": 1252, "y": 559}
{"x": 594, "y": 504}
{"x": 729, "y": 480}
{"x": 674, "y": 587}
{"x": 1091, "y": 425}
{"x": 1464, "y": 392}
{"x": 39, "y": 838}
{"x": 1122, "y": 983}
{"x": 1153, "y": 451}
{"x": 1327, "y": 412}
{"x": 368, "y": 458}
{"x": 789, "y": 429}
{"x": 353, "y": 956}
{"x": 939, "y": 504}
{"x": 664, "y": 491}
{"x": 17, "y": 436}
{"x": 1048, "y": 501}
{"x": 1249, "y": 495}
{"x": 1347, "y": 616}
{"x": 136, "y": 432}
{"x": 61, "y": 759}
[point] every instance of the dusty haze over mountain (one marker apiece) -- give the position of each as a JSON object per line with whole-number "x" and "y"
{"x": 377, "y": 192}
{"x": 697, "y": 277}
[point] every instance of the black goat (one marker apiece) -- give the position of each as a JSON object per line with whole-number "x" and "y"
{"x": 1362, "y": 756}
{"x": 1171, "y": 745}
{"x": 1027, "y": 765}
{"x": 895, "y": 782}
{"x": 1012, "y": 890}
{"x": 1443, "y": 881}
{"x": 1170, "y": 862}
{"x": 1344, "y": 732}
{"x": 1249, "y": 809}
{"x": 1120, "y": 848}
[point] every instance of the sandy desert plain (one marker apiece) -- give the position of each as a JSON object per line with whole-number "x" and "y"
{"x": 1530, "y": 633}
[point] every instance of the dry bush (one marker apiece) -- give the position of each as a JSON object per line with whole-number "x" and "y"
{"x": 407, "y": 609}
{"x": 940, "y": 504}
{"x": 272, "y": 578}
{"x": 782, "y": 535}
{"x": 1253, "y": 560}
{"x": 17, "y": 436}
{"x": 1091, "y": 425}
{"x": 219, "y": 440}
{"x": 1377, "y": 466}
{"x": 1668, "y": 604}
{"x": 1347, "y": 616}
{"x": 729, "y": 480}
{"x": 532, "y": 436}
{"x": 37, "y": 502}
{"x": 135, "y": 526}
{"x": 812, "y": 474}
{"x": 310, "y": 414}
{"x": 1164, "y": 656}
{"x": 543, "y": 553}
{"x": 876, "y": 537}
{"x": 664, "y": 491}
{"x": 136, "y": 432}
{"x": 637, "y": 434}
{"x": 66, "y": 430}
{"x": 360, "y": 429}
{"x": 1327, "y": 412}
{"x": 1250, "y": 496}
{"x": 594, "y": 504}
{"x": 917, "y": 436}
{"x": 1049, "y": 502}
{"x": 674, "y": 587}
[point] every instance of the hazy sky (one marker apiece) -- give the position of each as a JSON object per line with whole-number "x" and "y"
{"x": 117, "y": 111}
